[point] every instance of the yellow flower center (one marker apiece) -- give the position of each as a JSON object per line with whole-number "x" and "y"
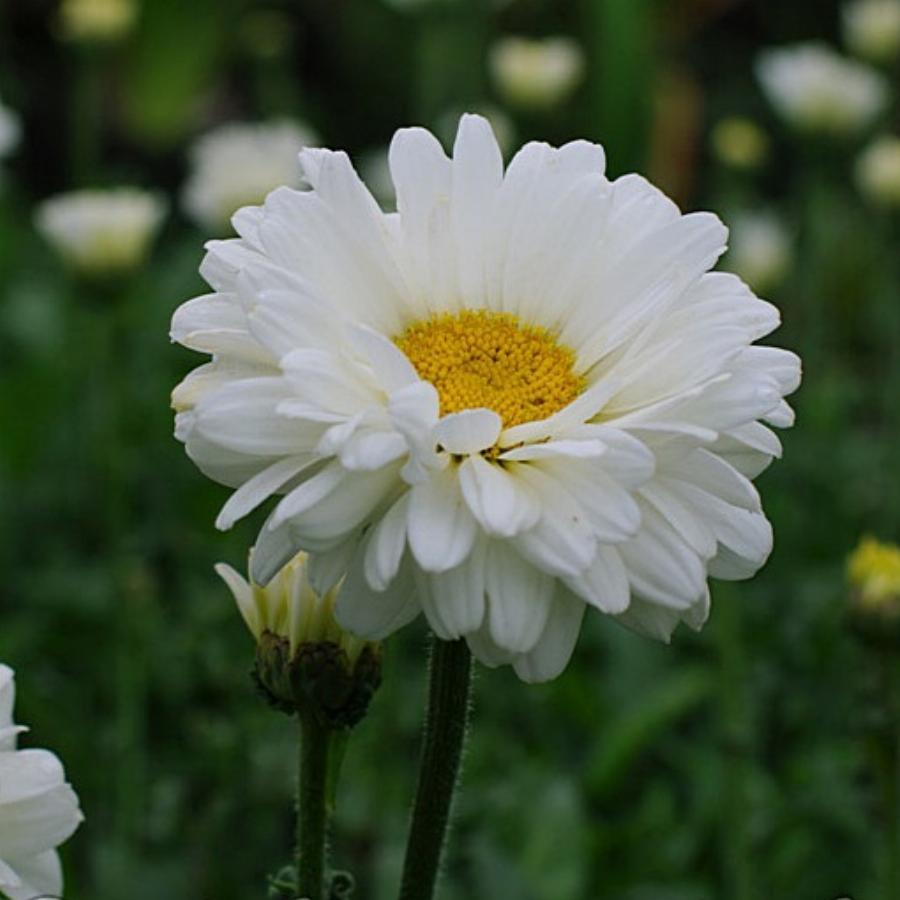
{"x": 478, "y": 358}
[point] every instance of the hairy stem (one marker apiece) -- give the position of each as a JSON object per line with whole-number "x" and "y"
{"x": 450, "y": 677}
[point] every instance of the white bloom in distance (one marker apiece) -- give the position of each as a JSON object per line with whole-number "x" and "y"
{"x": 102, "y": 232}
{"x": 520, "y": 395}
{"x": 38, "y": 810}
{"x": 10, "y": 131}
{"x": 815, "y": 89}
{"x": 872, "y": 29}
{"x": 536, "y": 73}
{"x": 878, "y": 171}
{"x": 238, "y": 164}
{"x": 760, "y": 249}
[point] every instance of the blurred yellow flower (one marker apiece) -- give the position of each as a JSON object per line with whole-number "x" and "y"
{"x": 878, "y": 171}
{"x": 873, "y": 569}
{"x": 536, "y": 73}
{"x": 872, "y": 29}
{"x": 740, "y": 143}
{"x": 96, "y": 20}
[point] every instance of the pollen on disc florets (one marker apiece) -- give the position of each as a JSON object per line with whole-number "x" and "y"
{"x": 479, "y": 358}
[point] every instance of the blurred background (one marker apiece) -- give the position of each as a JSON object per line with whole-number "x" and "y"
{"x": 755, "y": 760}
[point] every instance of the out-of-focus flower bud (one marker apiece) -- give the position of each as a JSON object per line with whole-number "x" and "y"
{"x": 878, "y": 172}
{"x": 816, "y": 90}
{"x": 102, "y": 233}
{"x": 872, "y": 29}
{"x": 873, "y": 571}
{"x": 10, "y": 131}
{"x": 96, "y": 21}
{"x": 535, "y": 74}
{"x": 305, "y": 662}
{"x": 759, "y": 249}
{"x": 740, "y": 143}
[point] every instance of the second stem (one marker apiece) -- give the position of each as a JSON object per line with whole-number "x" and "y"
{"x": 450, "y": 678}
{"x": 312, "y": 808}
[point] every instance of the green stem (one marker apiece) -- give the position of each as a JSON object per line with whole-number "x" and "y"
{"x": 890, "y": 774}
{"x": 446, "y": 724}
{"x": 312, "y": 808}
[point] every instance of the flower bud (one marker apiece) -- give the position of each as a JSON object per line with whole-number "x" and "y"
{"x": 878, "y": 172}
{"x": 759, "y": 249}
{"x": 873, "y": 571}
{"x": 872, "y": 29}
{"x": 536, "y": 74}
{"x": 305, "y": 662}
{"x": 10, "y": 131}
{"x": 96, "y": 21}
{"x": 740, "y": 143}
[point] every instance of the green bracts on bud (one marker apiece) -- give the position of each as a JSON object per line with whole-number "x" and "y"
{"x": 305, "y": 662}
{"x": 318, "y": 679}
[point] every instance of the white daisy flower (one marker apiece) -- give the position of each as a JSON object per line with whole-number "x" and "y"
{"x": 815, "y": 89}
{"x": 520, "y": 395}
{"x": 38, "y": 810}
{"x": 536, "y": 73}
{"x": 102, "y": 231}
{"x": 237, "y": 164}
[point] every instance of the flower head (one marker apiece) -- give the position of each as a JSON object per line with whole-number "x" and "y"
{"x": 760, "y": 249}
{"x": 102, "y": 232}
{"x": 38, "y": 810}
{"x": 817, "y": 90}
{"x": 237, "y": 164}
{"x": 522, "y": 394}
{"x": 97, "y": 21}
{"x": 878, "y": 171}
{"x": 740, "y": 143}
{"x": 536, "y": 73}
{"x": 872, "y": 29}
{"x": 305, "y": 660}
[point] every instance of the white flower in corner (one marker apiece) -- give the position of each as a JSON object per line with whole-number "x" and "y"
{"x": 38, "y": 810}
{"x": 872, "y": 29}
{"x": 102, "y": 232}
{"x": 536, "y": 73}
{"x": 817, "y": 90}
{"x": 520, "y": 395}
{"x": 237, "y": 164}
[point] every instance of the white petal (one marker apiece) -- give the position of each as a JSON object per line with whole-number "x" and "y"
{"x": 519, "y": 598}
{"x": 258, "y": 489}
{"x": 441, "y": 528}
{"x": 385, "y": 548}
{"x": 243, "y": 595}
{"x": 453, "y": 601}
{"x": 502, "y": 503}
{"x": 604, "y": 584}
{"x": 554, "y": 648}
{"x": 470, "y": 431}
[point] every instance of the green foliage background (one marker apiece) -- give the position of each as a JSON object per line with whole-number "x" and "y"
{"x": 733, "y": 764}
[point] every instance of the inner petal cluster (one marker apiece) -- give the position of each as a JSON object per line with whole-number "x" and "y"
{"x": 478, "y": 358}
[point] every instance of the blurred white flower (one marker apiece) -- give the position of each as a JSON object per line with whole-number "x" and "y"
{"x": 38, "y": 810}
{"x": 522, "y": 395}
{"x": 237, "y": 164}
{"x": 878, "y": 171}
{"x": 740, "y": 143}
{"x": 96, "y": 20}
{"x": 10, "y": 131}
{"x": 760, "y": 249}
{"x": 536, "y": 73}
{"x": 102, "y": 232}
{"x": 815, "y": 89}
{"x": 872, "y": 29}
